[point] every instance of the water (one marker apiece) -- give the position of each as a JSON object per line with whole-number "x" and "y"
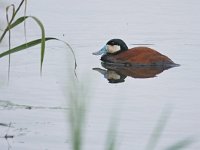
{"x": 37, "y": 106}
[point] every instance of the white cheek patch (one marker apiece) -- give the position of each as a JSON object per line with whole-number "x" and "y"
{"x": 113, "y": 48}
{"x": 112, "y": 75}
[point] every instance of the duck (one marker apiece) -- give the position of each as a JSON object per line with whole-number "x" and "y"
{"x": 116, "y": 52}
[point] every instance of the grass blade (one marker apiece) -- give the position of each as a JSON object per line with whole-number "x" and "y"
{"x": 181, "y": 144}
{"x": 24, "y": 46}
{"x": 9, "y": 32}
{"x": 111, "y": 140}
{"x": 72, "y": 51}
{"x": 11, "y": 20}
{"x": 18, "y": 21}
{"x": 156, "y": 135}
{"x": 22, "y": 19}
{"x": 33, "y": 43}
{"x": 25, "y": 9}
{"x": 77, "y": 114}
{"x": 42, "y": 40}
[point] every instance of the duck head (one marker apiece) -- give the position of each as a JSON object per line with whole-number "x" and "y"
{"x": 112, "y": 46}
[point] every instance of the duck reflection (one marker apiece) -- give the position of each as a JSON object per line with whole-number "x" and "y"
{"x": 117, "y": 74}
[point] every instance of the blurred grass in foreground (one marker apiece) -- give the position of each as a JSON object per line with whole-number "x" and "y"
{"x": 77, "y": 113}
{"x": 78, "y": 108}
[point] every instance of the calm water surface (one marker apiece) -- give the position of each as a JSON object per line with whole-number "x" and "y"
{"x": 170, "y": 27}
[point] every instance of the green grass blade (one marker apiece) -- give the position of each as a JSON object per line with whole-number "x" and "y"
{"x": 18, "y": 21}
{"x": 72, "y": 51}
{"x": 11, "y": 20}
{"x": 77, "y": 117}
{"x": 14, "y": 24}
{"x": 112, "y": 135}
{"x": 24, "y": 46}
{"x": 42, "y": 40}
{"x": 25, "y": 10}
{"x": 22, "y": 19}
{"x": 13, "y": 10}
{"x": 36, "y": 42}
{"x": 9, "y": 32}
{"x": 181, "y": 144}
{"x": 157, "y": 133}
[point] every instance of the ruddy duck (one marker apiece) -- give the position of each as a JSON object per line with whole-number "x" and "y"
{"x": 116, "y": 52}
